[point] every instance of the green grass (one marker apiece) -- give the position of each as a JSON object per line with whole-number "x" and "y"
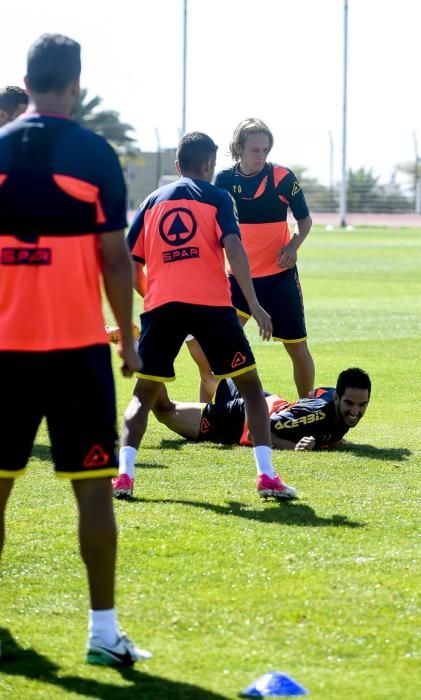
{"x": 221, "y": 587}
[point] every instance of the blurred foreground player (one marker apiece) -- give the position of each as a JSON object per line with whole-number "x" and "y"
{"x": 63, "y": 214}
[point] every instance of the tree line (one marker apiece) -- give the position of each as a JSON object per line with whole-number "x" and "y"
{"x": 364, "y": 191}
{"x": 365, "y": 194}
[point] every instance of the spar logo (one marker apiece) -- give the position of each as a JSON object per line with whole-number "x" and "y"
{"x": 25, "y": 256}
{"x": 177, "y": 227}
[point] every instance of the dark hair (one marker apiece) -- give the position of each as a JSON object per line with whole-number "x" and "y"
{"x": 194, "y": 150}
{"x": 353, "y": 378}
{"x": 11, "y": 97}
{"x": 244, "y": 129}
{"x": 53, "y": 63}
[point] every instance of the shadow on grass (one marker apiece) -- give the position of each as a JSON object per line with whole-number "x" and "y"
{"x": 178, "y": 444}
{"x": 390, "y": 454}
{"x": 43, "y": 452}
{"x": 151, "y": 465}
{"x": 28, "y": 663}
{"x": 169, "y": 444}
{"x": 284, "y": 513}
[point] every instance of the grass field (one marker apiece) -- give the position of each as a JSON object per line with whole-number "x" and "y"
{"x": 220, "y": 586}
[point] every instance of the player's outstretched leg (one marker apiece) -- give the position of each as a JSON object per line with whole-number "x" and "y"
{"x": 268, "y": 483}
{"x": 303, "y": 367}
{"x": 208, "y": 382}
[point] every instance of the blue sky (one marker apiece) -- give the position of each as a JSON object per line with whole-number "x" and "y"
{"x": 275, "y": 59}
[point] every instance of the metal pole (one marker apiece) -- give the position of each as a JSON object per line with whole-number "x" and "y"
{"x": 158, "y": 157}
{"x": 343, "y": 202}
{"x": 331, "y": 176}
{"x": 183, "y": 113}
{"x": 417, "y": 179}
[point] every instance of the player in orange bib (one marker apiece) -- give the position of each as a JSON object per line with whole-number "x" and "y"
{"x": 63, "y": 215}
{"x": 180, "y": 233}
{"x": 263, "y": 193}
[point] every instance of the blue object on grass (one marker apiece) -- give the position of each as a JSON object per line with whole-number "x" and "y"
{"x": 275, "y": 684}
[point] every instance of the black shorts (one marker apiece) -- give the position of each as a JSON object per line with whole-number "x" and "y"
{"x": 227, "y": 391}
{"x": 216, "y": 328}
{"x": 280, "y": 295}
{"x": 74, "y": 391}
{"x": 222, "y": 422}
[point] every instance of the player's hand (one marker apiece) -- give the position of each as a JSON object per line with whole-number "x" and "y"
{"x": 305, "y": 444}
{"x": 263, "y": 320}
{"x": 287, "y": 256}
{"x": 131, "y": 360}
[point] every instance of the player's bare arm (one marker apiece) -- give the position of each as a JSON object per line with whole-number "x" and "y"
{"x": 238, "y": 260}
{"x": 139, "y": 279}
{"x": 280, "y": 444}
{"x": 118, "y": 279}
{"x": 306, "y": 444}
{"x": 288, "y": 255}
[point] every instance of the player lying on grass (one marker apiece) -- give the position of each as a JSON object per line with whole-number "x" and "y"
{"x": 316, "y": 422}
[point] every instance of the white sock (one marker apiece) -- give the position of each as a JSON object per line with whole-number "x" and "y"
{"x": 103, "y": 624}
{"x": 263, "y": 459}
{"x": 126, "y": 460}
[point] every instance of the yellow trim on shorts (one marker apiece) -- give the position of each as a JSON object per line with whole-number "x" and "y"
{"x": 237, "y": 373}
{"x": 154, "y": 379}
{"x": 88, "y": 474}
{"x": 282, "y": 340}
{"x": 242, "y": 313}
{"x": 4, "y": 474}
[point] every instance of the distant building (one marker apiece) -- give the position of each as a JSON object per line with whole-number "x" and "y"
{"x": 147, "y": 171}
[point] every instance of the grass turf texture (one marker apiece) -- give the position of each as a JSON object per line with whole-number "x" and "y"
{"x": 223, "y": 587}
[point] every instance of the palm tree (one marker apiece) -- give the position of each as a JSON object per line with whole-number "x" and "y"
{"x": 104, "y": 122}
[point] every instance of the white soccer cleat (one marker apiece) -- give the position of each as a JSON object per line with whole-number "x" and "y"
{"x": 122, "y": 653}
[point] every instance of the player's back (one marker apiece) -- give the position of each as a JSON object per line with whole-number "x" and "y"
{"x": 178, "y": 233}
{"x": 52, "y": 208}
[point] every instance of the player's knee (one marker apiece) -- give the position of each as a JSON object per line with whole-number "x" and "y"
{"x": 199, "y": 356}
{"x": 162, "y": 412}
{"x": 298, "y": 351}
{"x": 133, "y": 409}
{"x": 248, "y": 383}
